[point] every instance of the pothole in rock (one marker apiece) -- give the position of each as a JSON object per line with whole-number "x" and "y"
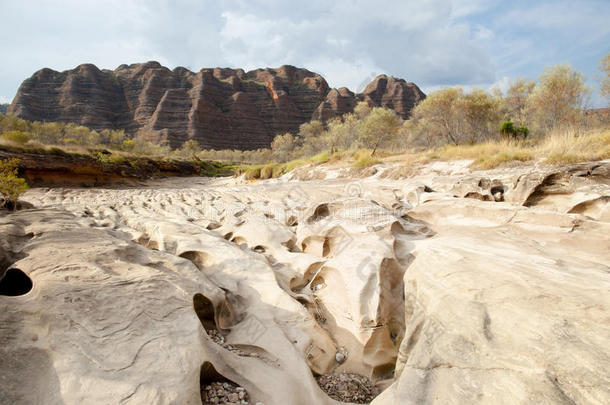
{"x": 15, "y": 283}
{"x": 348, "y": 387}
{"x": 216, "y": 389}
{"x": 223, "y": 393}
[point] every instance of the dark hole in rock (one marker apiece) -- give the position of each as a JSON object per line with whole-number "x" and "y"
{"x": 384, "y": 371}
{"x": 205, "y": 311}
{"x": 217, "y": 389}
{"x": 15, "y": 283}
{"x": 484, "y": 183}
{"x": 209, "y": 374}
{"x": 320, "y": 212}
{"x": 238, "y": 240}
{"x": 259, "y": 249}
{"x": 325, "y": 248}
{"x": 297, "y": 283}
{"x": 291, "y": 245}
{"x": 428, "y": 190}
{"x": 292, "y": 221}
{"x": 12, "y": 206}
{"x": 497, "y": 189}
{"x": 213, "y": 225}
{"x": 228, "y": 236}
{"x": 478, "y": 196}
{"x": 145, "y": 241}
{"x": 199, "y": 259}
{"x": 303, "y": 300}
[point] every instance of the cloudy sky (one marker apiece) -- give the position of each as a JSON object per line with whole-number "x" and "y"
{"x": 434, "y": 43}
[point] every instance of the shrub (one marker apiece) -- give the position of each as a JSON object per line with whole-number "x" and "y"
{"x": 507, "y": 129}
{"x": 16, "y": 136}
{"x": 366, "y": 161}
{"x": 11, "y": 185}
{"x": 116, "y": 158}
{"x": 253, "y": 173}
{"x": 128, "y": 145}
{"x": 102, "y": 157}
{"x": 266, "y": 171}
{"x": 523, "y": 131}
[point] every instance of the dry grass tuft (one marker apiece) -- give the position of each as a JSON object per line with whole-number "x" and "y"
{"x": 556, "y": 148}
{"x": 366, "y": 161}
{"x": 569, "y": 147}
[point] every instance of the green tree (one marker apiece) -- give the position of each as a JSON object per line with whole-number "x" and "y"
{"x": 309, "y": 137}
{"x": 282, "y": 147}
{"x": 342, "y": 133}
{"x": 80, "y": 135}
{"x": 362, "y": 109}
{"x": 604, "y": 68}
{"x": 190, "y": 149}
{"x": 49, "y": 133}
{"x": 379, "y": 128}
{"x": 435, "y": 118}
{"x": 480, "y": 113}
{"x": 112, "y": 137}
{"x": 516, "y": 99}
{"x": 559, "y": 98}
{"x": 11, "y": 185}
{"x": 452, "y": 116}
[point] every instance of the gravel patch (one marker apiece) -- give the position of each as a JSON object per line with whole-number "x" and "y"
{"x": 347, "y": 387}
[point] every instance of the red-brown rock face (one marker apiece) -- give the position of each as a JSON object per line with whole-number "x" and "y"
{"x": 220, "y": 108}
{"x": 395, "y": 94}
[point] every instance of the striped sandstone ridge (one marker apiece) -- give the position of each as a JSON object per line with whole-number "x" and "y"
{"x": 220, "y": 108}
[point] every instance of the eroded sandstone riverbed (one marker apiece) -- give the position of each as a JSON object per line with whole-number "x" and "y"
{"x": 449, "y": 286}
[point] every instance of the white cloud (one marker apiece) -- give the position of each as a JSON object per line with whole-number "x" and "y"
{"x": 410, "y": 39}
{"x": 482, "y": 33}
{"x": 463, "y": 8}
{"x": 341, "y": 73}
{"x": 503, "y": 84}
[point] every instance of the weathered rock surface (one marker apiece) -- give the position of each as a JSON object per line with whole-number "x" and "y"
{"x": 384, "y": 91}
{"x": 395, "y": 94}
{"x": 220, "y": 108}
{"x": 337, "y": 102}
{"x": 151, "y": 294}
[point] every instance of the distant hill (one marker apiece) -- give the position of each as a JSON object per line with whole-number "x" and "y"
{"x": 220, "y": 108}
